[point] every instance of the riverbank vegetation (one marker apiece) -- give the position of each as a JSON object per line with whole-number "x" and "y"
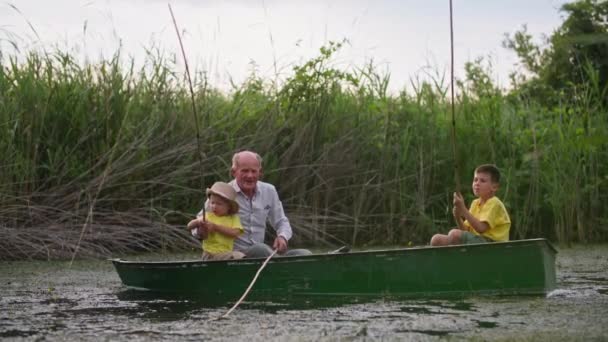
{"x": 103, "y": 159}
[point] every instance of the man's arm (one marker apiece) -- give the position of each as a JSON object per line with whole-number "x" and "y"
{"x": 277, "y": 218}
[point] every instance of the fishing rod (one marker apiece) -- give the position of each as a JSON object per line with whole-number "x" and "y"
{"x": 194, "y": 111}
{"x": 201, "y": 160}
{"x": 454, "y": 150}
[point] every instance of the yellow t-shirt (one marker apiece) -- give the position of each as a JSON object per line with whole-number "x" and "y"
{"x": 220, "y": 243}
{"x": 494, "y": 213}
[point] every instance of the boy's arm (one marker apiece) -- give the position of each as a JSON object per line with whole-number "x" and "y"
{"x": 193, "y": 223}
{"x": 198, "y": 224}
{"x": 479, "y": 226}
{"x": 458, "y": 220}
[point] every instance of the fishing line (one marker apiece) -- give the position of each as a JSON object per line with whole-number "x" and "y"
{"x": 250, "y": 285}
{"x": 454, "y": 150}
{"x": 194, "y": 111}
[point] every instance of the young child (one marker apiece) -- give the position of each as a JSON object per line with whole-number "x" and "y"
{"x": 486, "y": 221}
{"x": 221, "y": 225}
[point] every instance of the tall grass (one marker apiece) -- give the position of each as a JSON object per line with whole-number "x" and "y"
{"x": 353, "y": 163}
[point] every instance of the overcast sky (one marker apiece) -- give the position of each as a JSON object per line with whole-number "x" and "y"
{"x": 404, "y": 37}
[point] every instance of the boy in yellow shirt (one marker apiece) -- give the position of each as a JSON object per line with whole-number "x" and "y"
{"x": 221, "y": 225}
{"x": 486, "y": 221}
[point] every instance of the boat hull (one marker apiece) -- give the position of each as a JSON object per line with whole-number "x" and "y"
{"x": 507, "y": 268}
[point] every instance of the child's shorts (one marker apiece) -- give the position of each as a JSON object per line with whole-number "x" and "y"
{"x": 470, "y": 238}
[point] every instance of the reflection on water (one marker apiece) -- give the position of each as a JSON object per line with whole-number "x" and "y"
{"x": 87, "y": 302}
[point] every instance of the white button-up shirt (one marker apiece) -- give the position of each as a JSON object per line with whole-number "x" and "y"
{"x": 264, "y": 207}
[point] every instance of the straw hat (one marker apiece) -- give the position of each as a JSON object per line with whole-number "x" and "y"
{"x": 227, "y": 192}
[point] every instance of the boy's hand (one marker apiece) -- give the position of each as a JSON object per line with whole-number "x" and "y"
{"x": 199, "y": 228}
{"x": 193, "y": 224}
{"x": 459, "y": 208}
{"x": 199, "y": 234}
{"x": 202, "y": 233}
{"x": 455, "y": 212}
{"x": 208, "y": 226}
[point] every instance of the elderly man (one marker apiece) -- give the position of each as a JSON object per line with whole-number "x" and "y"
{"x": 259, "y": 203}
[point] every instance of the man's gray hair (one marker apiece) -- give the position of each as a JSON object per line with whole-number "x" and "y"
{"x": 235, "y": 158}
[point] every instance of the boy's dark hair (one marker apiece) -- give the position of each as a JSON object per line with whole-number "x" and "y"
{"x": 490, "y": 169}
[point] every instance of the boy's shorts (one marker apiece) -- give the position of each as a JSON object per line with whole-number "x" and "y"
{"x": 467, "y": 238}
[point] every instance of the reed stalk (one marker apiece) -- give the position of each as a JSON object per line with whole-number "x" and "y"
{"x": 352, "y": 162}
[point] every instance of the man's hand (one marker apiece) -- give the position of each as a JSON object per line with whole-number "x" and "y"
{"x": 280, "y": 244}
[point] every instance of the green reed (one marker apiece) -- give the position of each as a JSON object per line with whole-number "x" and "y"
{"x": 353, "y": 163}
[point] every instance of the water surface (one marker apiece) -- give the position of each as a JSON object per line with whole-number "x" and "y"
{"x": 51, "y": 301}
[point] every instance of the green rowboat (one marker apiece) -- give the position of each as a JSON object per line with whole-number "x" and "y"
{"x": 520, "y": 267}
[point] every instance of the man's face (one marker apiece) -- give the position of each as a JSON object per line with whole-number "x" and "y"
{"x": 247, "y": 172}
